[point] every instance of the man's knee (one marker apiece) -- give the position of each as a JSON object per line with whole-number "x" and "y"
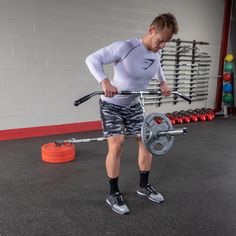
{"x": 116, "y": 146}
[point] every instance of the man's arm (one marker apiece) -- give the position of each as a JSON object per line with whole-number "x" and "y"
{"x": 103, "y": 56}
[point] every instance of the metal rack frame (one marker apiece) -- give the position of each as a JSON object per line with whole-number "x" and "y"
{"x": 186, "y": 67}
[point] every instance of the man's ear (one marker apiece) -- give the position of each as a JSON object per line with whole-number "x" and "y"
{"x": 151, "y": 29}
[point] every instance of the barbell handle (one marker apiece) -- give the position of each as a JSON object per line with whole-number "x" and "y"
{"x": 156, "y": 93}
{"x": 87, "y": 140}
{"x": 88, "y": 96}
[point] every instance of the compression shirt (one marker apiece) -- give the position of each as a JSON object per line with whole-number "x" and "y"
{"x": 134, "y": 67}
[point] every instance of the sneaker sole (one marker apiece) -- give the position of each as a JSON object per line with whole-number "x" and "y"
{"x": 151, "y": 199}
{"x": 119, "y": 212}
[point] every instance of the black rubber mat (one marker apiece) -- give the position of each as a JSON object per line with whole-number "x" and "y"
{"x": 197, "y": 178}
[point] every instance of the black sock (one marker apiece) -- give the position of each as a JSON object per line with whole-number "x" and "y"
{"x": 113, "y": 185}
{"x": 144, "y": 175}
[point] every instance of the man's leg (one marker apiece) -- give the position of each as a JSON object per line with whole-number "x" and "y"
{"x": 144, "y": 162}
{"x": 115, "y": 199}
{"x": 144, "y": 157}
{"x": 113, "y": 128}
{"x": 115, "y": 144}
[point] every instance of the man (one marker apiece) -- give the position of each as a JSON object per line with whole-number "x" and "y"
{"x": 136, "y": 62}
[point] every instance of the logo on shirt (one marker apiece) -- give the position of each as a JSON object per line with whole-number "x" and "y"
{"x": 148, "y": 63}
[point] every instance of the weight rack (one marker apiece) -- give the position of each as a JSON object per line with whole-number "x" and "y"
{"x": 186, "y": 67}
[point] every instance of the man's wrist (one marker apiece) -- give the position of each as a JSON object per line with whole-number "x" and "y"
{"x": 163, "y": 83}
{"x": 105, "y": 81}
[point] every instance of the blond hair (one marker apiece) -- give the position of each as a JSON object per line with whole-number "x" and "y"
{"x": 166, "y": 20}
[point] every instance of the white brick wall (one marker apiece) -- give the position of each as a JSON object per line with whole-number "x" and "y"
{"x": 43, "y": 45}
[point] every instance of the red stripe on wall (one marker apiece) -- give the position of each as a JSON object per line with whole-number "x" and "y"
{"x": 40, "y": 131}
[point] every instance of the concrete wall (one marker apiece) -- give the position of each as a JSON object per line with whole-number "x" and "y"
{"x": 43, "y": 45}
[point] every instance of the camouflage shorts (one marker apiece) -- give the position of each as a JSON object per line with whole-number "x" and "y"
{"x": 121, "y": 120}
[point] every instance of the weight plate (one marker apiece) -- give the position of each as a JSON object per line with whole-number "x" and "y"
{"x": 157, "y": 143}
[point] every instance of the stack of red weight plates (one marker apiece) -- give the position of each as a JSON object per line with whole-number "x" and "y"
{"x": 54, "y": 153}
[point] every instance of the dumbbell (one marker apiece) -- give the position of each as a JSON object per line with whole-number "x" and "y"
{"x": 201, "y": 114}
{"x": 185, "y": 116}
{"x": 171, "y": 118}
{"x": 192, "y": 116}
{"x": 210, "y": 114}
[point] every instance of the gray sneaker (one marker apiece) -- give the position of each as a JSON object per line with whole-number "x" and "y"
{"x": 151, "y": 193}
{"x": 117, "y": 203}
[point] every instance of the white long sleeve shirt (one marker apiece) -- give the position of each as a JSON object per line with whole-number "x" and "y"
{"x": 134, "y": 67}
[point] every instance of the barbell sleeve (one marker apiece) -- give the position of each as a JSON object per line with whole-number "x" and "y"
{"x": 172, "y": 132}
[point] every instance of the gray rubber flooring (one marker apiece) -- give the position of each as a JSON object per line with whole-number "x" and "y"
{"x": 197, "y": 178}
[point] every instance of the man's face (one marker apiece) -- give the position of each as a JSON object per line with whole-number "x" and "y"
{"x": 158, "y": 38}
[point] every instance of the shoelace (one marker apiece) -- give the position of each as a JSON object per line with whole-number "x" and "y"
{"x": 150, "y": 189}
{"x": 119, "y": 199}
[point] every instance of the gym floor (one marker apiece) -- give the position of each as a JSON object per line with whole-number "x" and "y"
{"x": 197, "y": 178}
